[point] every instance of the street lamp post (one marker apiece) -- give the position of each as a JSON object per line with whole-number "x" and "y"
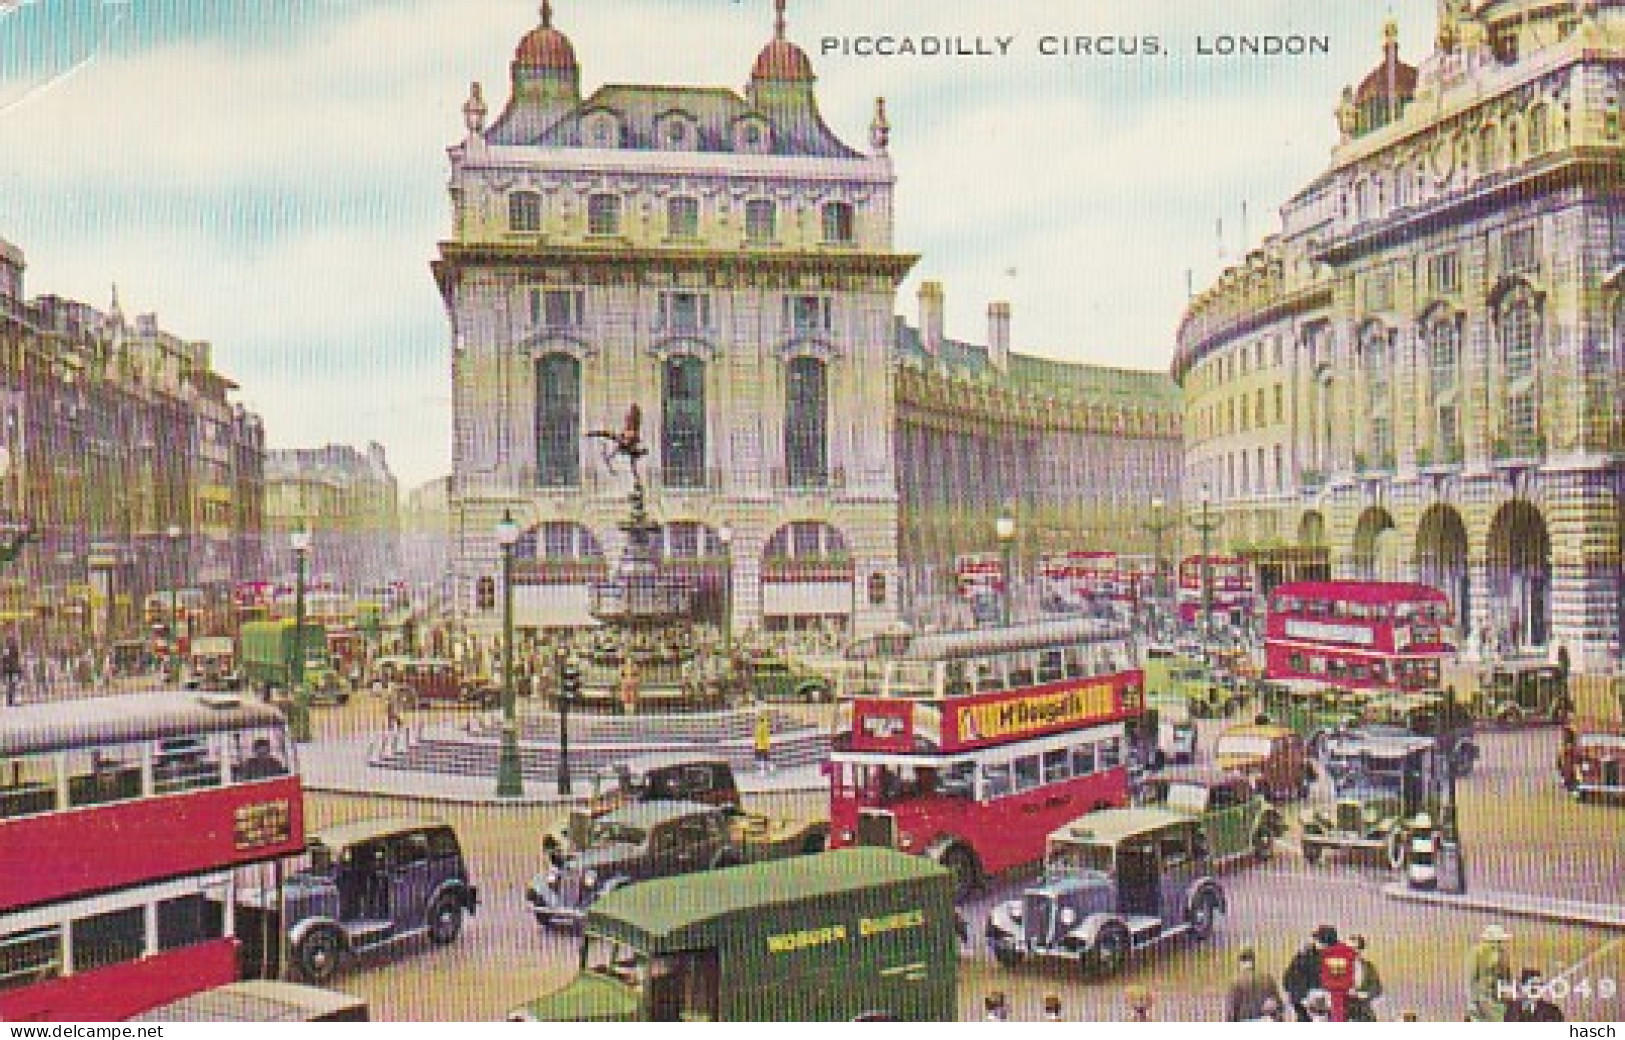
{"x": 299, "y": 705}
{"x": 1206, "y": 523}
{"x": 1158, "y": 525}
{"x": 174, "y": 535}
{"x": 1004, "y": 528}
{"x": 725, "y": 535}
{"x": 1451, "y": 865}
{"x": 510, "y": 775}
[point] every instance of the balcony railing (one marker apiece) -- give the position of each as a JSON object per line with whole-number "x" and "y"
{"x": 1516, "y": 446}
{"x": 833, "y": 479}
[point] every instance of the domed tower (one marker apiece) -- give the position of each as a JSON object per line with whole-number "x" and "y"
{"x": 546, "y": 83}
{"x": 1381, "y": 97}
{"x": 781, "y": 81}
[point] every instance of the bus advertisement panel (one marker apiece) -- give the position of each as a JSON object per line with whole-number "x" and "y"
{"x": 972, "y": 746}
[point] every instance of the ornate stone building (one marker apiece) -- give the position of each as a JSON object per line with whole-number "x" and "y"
{"x": 721, "y": 259}
{"x": 1419, "y": 376}
{"x": 348, "y": 500}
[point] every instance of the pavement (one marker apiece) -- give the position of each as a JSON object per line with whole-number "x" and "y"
{"x": 343, "y": 765}
{"x": 1517, "y": 904}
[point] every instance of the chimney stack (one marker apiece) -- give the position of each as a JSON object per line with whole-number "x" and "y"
{"x": 931, "y": 317}
{"x": 998, "y": 334}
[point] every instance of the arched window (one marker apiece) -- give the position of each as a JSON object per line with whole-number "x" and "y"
{"x": 525, "y": 211}
{"x": 558, "y": 421}
{"x": 682, "y": 434}
{"x": 1518, "y": 326}
{"x": 806, "y": 421}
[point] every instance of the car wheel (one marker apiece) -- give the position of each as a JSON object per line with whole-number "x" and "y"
{"x": 1111, "y": 949}
{"x": 1396, "y": 849}
{"x": 1203, "y": 912}
{"x": 445, "y": 919}
{"x": 1006, "y": 957}
{"x": 1311, "y": 853}
{"x": 1462, "y": 763}
{"x": 318, "y": 954}
{"x": 1263, "y": 845}
{"x": 962, "y": 862}
{"x": 815, "y": 843}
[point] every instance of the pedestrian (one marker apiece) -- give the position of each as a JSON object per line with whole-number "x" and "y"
{"x": 1531, "y": 1004}
{"x": 996, "y": 1007}
{"x": 1338, "y": 970}
{"x": 1251, "y": 990}
{"x": 1489, "y": 975}
{"x": 1140, "y": 1001}
{"x": 11, "y": 669}
{"x": 1301, "y": 977}
{"x": 1367, "y": 985}
{"x": 763, "y": 740}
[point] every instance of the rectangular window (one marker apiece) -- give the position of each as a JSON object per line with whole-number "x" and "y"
{"x": 558, "y": 421}
{"x": 1083, "y": 760}
{"x": 188, "y": 920}
{"x": 1028, "y": 773}
{"x": 837, "y": 222}
{"x": 1518, "y": 250}
{"x": 761, "y": 220}
{"x": 1280, "y": 403}
{"x": 683, "y": 217}
{"x": 27, "y": 785}
{"x": 1278, "y": 350}
{"x": 1379, "y": 292}
{"x": 111, "y": 938}
{"x": 996, "y": 780}
{"x": 1057, "y": 766}
{"x": 684, "y": 313}
{"x": 30, "y": 956}
{"x": 557, "y": 308}
{"x": 1111, "y": 753}
{"x": 1444, "y": 273}
{"x": 603, "y": 214}
{"x": 807, "y": 315}
{"x": 525, "y": 211}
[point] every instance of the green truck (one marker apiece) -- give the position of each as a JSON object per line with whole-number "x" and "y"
{"x": 1173, "y": 677}
{"x": 859, "y": 934}
{"x": 269, "y": 653}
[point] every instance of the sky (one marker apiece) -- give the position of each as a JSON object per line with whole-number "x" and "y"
{"x": 270, "y": 176}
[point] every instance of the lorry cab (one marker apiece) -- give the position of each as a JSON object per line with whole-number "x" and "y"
{"x": 853, "y": 934}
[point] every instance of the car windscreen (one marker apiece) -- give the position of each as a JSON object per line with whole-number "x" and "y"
{"x": 1239, "y": 744}
{"x": 1612, "y": 741}
{"x": 1066, "y": 858}
{"x": 1186, "y": 797}
{"x": 610, "y": 833}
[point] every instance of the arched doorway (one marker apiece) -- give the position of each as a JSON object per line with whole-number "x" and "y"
{"x": 694, "y": 551}
{"x": 1441, "y": 559}
{"x": 1520, "y": 572}
{"x": 1375, "y": 545}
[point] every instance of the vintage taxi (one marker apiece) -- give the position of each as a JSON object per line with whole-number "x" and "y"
{"x": 1591, "y": 759}
{"x": 1425, "y": 715}
{"x": 429, "y": 681}
{"x": 1236, "y": 820}
{"x": 1519, "y": 692}
{"x": 1115, "y": 881}
{"x": 1273, "y": 757}
{"x": 1386, "y": 785}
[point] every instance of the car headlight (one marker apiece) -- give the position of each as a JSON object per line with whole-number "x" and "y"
{"x": 1069, "y": 916}
{"x": 590, "y": 878}
{"x": 905, "y": 840}
{"x": 846, "y": 836}
{"x": 1014, "y": 910}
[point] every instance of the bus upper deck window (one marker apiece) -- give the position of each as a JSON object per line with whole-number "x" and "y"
{"x": 1050, "y": 667}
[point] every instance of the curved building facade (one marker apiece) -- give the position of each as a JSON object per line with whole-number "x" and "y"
{"x": 1419, "y": 376}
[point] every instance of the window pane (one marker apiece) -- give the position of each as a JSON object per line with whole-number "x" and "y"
{"x": 837, "y": 222}
{"x": 805, "y": 426}
{"x": 683, "y": 432}
{"x": 683, "y": 217}
{"x": 603, "y": 214}
{"x": 558, "y": 421}
{"x": 29, "y": 957}
{"x": 27, "y": 785}
{"x": 109, "y": 938}
{"x": 188, "y": 920}
{"x": 525, "y": 211}
{"x": 760, "y": 220}
{"x": 108, "y": 774}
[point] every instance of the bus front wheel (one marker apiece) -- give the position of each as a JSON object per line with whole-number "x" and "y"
{"x": 318, "y": 954}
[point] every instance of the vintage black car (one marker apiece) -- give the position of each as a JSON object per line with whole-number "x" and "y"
{"x": 1114, "y": 881}
{"x": 1425, "y": 715}
{"x": 1525, "y": 692}
{"x": 368, "y": 884}
{"x": 1386, "y": 785}
{"x": 639, "y": 841}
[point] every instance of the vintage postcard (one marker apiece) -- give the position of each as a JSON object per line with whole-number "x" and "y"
{"x": 812, "y": 510}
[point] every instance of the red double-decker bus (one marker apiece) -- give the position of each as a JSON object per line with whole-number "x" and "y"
{"x": 1232, "y": 593}
{"x": 1371, "y": 635}
{"x": 122, "y": 820}
{"x": 970, "y": 747}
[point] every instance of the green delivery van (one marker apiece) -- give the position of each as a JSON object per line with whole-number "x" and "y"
{"x": 853, "y": 934}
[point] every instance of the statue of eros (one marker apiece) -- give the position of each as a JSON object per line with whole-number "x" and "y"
{"x": 628, "y": 442}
